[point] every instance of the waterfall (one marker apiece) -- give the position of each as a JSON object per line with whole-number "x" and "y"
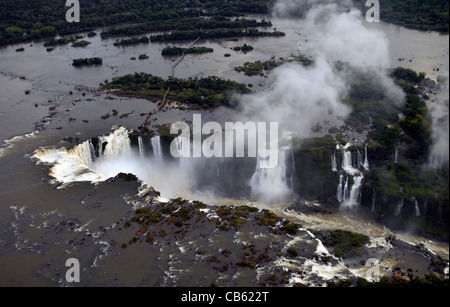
{"x": 351, "y": 197}
{"x": 334, "y": 163}
{"x": 417, "y": 209}
{"x": 340, "y": 190}
{"x": 366, "y": 161}
{"x": 293, "y": 169}
{"x": 79, "y": 164}
{"x": 360, "y": 161}
{"x": 270, "y": 184}
{"x": 347, "y": 164}
{"x": 396, "y": 155}
{"x": 346, "y": 192}
{"x": 118, "y": 144}
{"x": 84, "y": 152}
{"x": 157, "y": 150}
{"x": 399, "y": 207}
{"x": 354, "y": 199}
{"x": 374, "y": 200}
{"x": 141, "y": 147}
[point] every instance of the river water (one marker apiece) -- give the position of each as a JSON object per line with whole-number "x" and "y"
{"x": 31, "y": 208}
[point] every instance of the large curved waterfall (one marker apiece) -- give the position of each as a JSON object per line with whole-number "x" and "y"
{"x": 107, "y": 156}
{"x": 168, "y": 168}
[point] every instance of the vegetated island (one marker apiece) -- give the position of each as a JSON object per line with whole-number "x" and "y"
{"x": 258, "y": 67}
{"x": 177, "y": 51}
{"x": 196, "y": 93}
{"x": 212, "y": 34}
{"x": 87, "y": 62}
{"x": 82, "y": 43}
{"x": 244, "y": 48}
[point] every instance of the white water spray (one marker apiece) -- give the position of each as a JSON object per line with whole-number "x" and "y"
{"x": 271, "y": 184}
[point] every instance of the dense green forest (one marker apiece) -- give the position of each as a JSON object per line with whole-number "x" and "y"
{"x": 416, "y": 14}
{"x": 259, "y": 68}
{"x": 205, "y": 92}
{"x": 24, "y": 20}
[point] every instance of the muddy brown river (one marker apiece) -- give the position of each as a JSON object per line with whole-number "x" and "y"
{"x": 42, "y": 224}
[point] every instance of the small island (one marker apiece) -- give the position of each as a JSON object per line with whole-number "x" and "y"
{"x": 245, "y": 48}
{"x": 82, "y": 43}
{"x": 87, "y": 62}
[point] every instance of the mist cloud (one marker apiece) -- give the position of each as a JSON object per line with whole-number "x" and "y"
{"x": 305, "y": 97}
{"x": 439, "y": 110}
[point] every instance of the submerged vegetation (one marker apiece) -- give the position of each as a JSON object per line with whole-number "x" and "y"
{"x": 60, "y": 41}
{"x": 211, "y": 34}
{"x": 132, "y": 41}
{"x": 171, "y": 51}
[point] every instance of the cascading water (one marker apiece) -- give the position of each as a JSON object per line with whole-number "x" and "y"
{"x": 334, "y": 167}
{"x": 360, "y": 162}
{"x": 366, "y": 161}
{"x": 346, "y": 192}
{"x": 350, "y": 197}
{"x": 355, "y": 193}
{"x": 398, "y": 209}
{"x": 396, "y": 155}
{"x": 118, "y": 144}
{"x": 141, "y": 147}
{"x": 271, "y": 184}
{"x": 157, "y": 149}
{"x": 113, "y": 155}
{"x": 80, "y": 163}
{"x": 417, "y": 209}
{"x": 340, "y": 189}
